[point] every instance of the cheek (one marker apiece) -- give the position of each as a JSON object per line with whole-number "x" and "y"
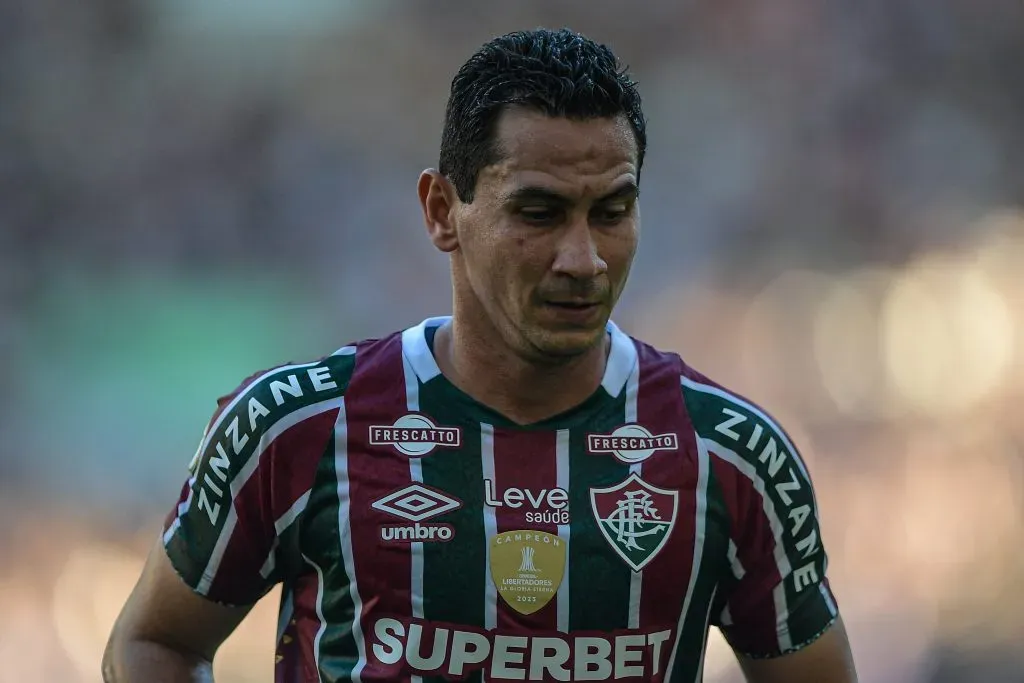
{"x": 520, "y": 266}
{"x": 494, "y": 268}
{"x": 507, "y": 261}
{"x": 619, "y": 251}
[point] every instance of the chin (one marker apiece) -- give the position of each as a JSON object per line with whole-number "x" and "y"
{"x": 565, "y": 343}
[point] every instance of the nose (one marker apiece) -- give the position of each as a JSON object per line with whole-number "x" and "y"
{"x": 577, "y": 255}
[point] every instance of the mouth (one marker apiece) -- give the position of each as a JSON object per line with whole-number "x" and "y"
{"x": 574, "y": 305}
{"x": 575, "y": 313}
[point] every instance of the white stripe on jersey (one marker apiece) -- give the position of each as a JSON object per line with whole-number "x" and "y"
{"x": 636, "y": 579}
{"x": 699, "y": 538}
{"x": 734, "y": 561}
{"x": 490, "y": 527}
{"x": 704, "y": 643}
{"x": 235, "y": 485}
{"x": 564, "y": 530}
{"x": 781, "y": 560}
{"x": 345, "y": 533}
{"x": 215, "y": 427}
{"x": 412, "y": 403}
{"x": 319, "y": 615}
{"x": 793, "y": 452}
{"x": 280, "y": 525}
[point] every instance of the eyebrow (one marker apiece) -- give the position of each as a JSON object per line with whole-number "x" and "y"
{"x": 627, "y": 190}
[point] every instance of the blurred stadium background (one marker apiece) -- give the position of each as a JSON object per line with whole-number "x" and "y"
{"x": 834, "y": 225}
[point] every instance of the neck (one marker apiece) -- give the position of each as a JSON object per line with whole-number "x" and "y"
{"x": 482, "y": 365}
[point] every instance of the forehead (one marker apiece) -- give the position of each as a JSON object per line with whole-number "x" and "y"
{"x": 565, "y": 154}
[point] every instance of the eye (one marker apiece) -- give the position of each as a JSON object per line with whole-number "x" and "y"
{"x": 612, "y": 213}
{"x": 539, "y": 215}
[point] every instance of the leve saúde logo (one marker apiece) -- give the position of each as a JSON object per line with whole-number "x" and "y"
{"x": 415, "y": 435}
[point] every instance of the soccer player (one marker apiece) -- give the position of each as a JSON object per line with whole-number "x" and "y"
{"x": 518, "y": 492}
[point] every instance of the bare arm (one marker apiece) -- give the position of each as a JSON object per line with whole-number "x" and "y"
{"x": 826, "y": 660}
{"x": 165, "y": 632}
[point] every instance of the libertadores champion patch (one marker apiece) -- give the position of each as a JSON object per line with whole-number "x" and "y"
{"x": 527, "y": 568}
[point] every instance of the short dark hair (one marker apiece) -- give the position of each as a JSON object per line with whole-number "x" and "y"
{"x": 560, "y": 73}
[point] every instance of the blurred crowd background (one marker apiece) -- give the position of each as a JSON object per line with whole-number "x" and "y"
{"x": 833, "y": 207}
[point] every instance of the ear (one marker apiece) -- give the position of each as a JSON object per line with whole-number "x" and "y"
{"x": 438, "y": 199}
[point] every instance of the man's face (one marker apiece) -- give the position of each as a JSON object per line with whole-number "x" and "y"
{"x": 547, "y": 243}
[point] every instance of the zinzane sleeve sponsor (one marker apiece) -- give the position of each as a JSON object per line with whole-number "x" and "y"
{"x": 234, "y": 528}
{"x": 777, "y": 598}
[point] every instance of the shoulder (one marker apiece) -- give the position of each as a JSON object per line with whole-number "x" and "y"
{"x": 730, "y": 419}
{"x": 290, "y": 386}
{"x": 657, "y": 365}
{"x": 717, "y": 412}
{"x": 290, "y": 391}
{"x": 754, "y": 458}
{"x": 730, "y": 426}
{"x": 273, "y": 400}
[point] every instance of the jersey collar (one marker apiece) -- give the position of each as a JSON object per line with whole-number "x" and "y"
{"x": 621, "y": 359}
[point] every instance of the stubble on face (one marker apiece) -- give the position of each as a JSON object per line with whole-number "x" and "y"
{"x": 553, "y": 224}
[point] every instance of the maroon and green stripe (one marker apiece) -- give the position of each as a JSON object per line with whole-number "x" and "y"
{"x": 782, "y": 601}
{"x": 383, "y": 572}
{"x": 454, "y": 572}
{"x": 224, "y": 519}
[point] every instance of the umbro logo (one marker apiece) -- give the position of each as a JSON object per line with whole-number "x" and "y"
{"x": 416, "y": 503}
{"x": 415, "y": 435}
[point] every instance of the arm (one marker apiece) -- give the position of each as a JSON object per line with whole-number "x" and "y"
{"x": 234, "y": 531}
{"x": 777, "y": 610}
{"x": 827, "y": 660}
{"x": 165, "y": 632}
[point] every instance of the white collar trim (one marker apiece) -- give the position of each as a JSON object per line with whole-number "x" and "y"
{"x": 622, "y": 358}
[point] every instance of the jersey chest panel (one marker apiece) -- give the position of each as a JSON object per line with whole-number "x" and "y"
{"x": 447, "y": 523}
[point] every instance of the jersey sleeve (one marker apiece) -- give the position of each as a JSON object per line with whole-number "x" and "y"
{"x": 774, "y": 597}
{"x": 234, "y": 532}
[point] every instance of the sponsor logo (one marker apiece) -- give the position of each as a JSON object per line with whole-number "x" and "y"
{"x": 241, "y": 426}
{"x": 423, "y": 648}
{"x": 632, "y": 443}
{"x": 415, "y": 435}
{"x": 527, "y": 568}
{"x": 635, "y": 518}
{"x": 777, "y": 468}
{"x": 416, "y": 503}
{"x": 545, "y": 506}
{"x": 416, "y": 533}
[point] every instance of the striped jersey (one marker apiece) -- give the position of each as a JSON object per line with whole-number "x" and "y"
{"x": 421, "y": 536}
